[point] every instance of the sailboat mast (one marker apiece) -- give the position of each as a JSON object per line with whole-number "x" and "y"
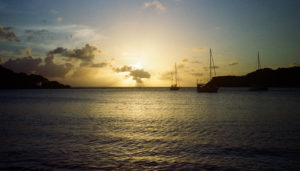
{"x": 176, "y": 81}
{"x": 172, "y": 78}
{"x": 213, "y": 64}
{"x": 210, "y": 64}
{"x": 258, "y": 61}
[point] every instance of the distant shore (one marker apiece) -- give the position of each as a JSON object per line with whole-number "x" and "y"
{"x": 12, "y": 80}
{"x": 281, "y": 77}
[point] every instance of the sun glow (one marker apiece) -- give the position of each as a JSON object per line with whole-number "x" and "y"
{"x": 138, "y": 65}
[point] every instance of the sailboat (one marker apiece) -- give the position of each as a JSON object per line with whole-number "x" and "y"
{"x": 175, "y": 86}
{"x": 209, "y": 88}
{"x": 258, "y": 87}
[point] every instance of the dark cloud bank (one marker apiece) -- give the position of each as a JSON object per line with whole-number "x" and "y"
{"x": 85, "y": 56}
{"x": 45, "y": 67}
{"x": 49, "y": 68}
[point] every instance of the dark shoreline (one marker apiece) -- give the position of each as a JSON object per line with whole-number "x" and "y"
{"x": 12, "y": 80}
{"x": 279, "y": 78}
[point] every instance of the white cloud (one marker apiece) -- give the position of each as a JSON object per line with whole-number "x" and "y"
{"x": 202, "y": 48}
{"x": 59, "y": 19}
{"x": 26, "y": 51}
{"x": 155, "y": 4}
{"x": 233, "y": 63}
{"x": 54, "y": 12}
{"x": 51, "y": 36}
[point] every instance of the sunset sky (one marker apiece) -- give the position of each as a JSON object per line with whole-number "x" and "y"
{"x": 137, "y": 42}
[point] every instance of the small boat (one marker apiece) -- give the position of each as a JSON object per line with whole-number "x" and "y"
{"x": 259, "y": 86}
{"x": 175, "y": 86}
{"x": 208, "y": 88}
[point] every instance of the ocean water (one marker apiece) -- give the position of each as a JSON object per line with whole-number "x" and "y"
{"x": 149, "y": 128}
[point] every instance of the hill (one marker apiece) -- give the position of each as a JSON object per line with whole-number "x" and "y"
{"x": 12, "y": 80}
{"x": 281, "y": 77}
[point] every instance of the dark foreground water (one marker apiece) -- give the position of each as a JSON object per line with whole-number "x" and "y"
{"x": 149, "y": 128}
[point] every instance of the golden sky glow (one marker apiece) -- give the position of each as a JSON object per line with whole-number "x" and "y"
{"x": 136, "y": 43}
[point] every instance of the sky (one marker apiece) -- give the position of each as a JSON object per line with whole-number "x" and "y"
{"x": 137, "y": 42}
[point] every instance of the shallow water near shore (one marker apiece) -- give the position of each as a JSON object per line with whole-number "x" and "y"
{"x": 149, "y": 128}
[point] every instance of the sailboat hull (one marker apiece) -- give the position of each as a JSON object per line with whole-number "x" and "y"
{"x": 174, "y": 88}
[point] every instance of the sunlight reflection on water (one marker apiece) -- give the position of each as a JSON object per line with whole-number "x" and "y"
{"x": 149, "y": 129}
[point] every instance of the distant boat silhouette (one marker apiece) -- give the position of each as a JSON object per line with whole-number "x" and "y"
{"x": 259, "y": 86}
{"x": 175, "y": 86}
{"x": 209, "y": 88}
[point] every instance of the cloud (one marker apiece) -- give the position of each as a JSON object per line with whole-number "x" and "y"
{"x": 26, "y": 51}
{"x": 44, "y": 21}
{"x": 99, "y": 65}
{"x": 54, "y": 12}
{"x": 94, "y": 65}
{"x": 59, "y": 19}
{"x": 45, "y": 68}
{"x": 136, "y": 74}
{"x": 207, "y": 68}
{"x": 180, "y": 66}
{"x": 85, "y": 54}
{"x": 185, "y": 60}
{"x": 195, "y": 62}
{"x": 44, "y": 36}
{"x": 166, "y": 76}
{"x": 155, "y": 4}
{"x": 200, "y": 48}
{"x": 63, "y": 64}
{"x": 27, "y": 64}
{"x": 7, "y": 35}
{"x": 295, "y": 64}
{"x": 59, "y": 50}
{"x": 197, "y": 74}
{"x": 32, "y": 34}
{"x": 125, "y": 68}
{"x": 50, "y": 69}
{"x": 233, "y": 63}
{"x": 8, "y": 28}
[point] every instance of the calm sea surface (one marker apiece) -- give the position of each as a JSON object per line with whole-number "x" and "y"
{"x": 149, "y": 128}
